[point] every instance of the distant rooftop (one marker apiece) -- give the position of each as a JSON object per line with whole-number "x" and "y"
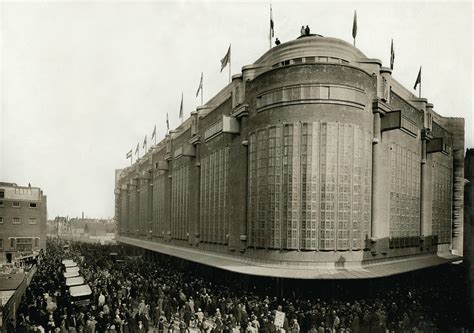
{"x": 7, "y": 184}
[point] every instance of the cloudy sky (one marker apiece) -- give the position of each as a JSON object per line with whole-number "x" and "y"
{"x": 83, "y": 82}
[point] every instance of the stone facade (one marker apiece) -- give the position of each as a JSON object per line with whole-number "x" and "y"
{"x": 22, "y": 221}
{"x": 313, "y": 156}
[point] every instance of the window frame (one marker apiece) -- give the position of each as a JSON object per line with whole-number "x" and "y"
{"x": 35, "y": 205}
{"x": 19, "y": 220}
{"x": 16, "y": 206}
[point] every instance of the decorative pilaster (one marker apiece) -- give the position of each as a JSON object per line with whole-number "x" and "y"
{"x": 380, "y": 181}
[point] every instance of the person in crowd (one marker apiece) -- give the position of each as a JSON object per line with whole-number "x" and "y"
{"x": 140, "y": 296}
{"x": 295, "y": 327}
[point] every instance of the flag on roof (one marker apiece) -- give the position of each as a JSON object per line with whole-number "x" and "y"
{"x": 200, "y": 86}
{"x": 418, "y": 79}
{"x": 392, "y": 56}
{"x": 354, "y": 25}
{"x": 272, "y": 30}
{"x": 181, "y": 107}
{"x": 226, "y": 59}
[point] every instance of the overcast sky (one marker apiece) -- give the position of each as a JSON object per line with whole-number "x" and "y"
{"x": 83, "y": 82}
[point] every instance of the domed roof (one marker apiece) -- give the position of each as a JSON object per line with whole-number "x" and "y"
{"x": 311, "y": 46}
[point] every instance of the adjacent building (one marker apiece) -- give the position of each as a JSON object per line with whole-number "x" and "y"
{"x": 313, "y": 163}
{"x": 86, "y": 229}
{"x": 23, "y": 213}
{"x": 469, "y": 227}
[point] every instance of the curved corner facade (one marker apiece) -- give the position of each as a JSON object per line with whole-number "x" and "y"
{"x": 313, "y": 163}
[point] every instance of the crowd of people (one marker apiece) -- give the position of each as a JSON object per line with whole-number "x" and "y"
{"x": 137, "y": 295}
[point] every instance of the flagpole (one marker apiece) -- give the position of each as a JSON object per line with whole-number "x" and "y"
{"x": 230, "y": 61}
{"x": 202, "y": 88}
{"x": 419, "y": 91}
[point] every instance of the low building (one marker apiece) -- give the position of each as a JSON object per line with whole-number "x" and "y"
{"x": 12, "y": 287}
{"x": 23, "y": 213}
{"x": 89, "y": 230}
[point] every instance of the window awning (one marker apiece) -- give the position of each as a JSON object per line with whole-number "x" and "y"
{"x": 74, "y": 281}
{"x": 70, "y": 274}
{"x": 82, "y": 290}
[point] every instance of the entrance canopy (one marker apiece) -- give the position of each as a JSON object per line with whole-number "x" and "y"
{"x": 293, "y": 271}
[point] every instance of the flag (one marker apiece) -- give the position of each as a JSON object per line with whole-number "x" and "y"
{"x": 129, "y": 154}
{"x": 167, "y": 122}
{"x": 137, "y": 149}
{"x": 181, "y": 107}
{"x": 226, "y": 59}
{"x": 153, "y": 135}
{"x": 200, "y": 87}
{"x": 272, "y": 30}
{"x": 144, "y": 142}
{"x": 392, "y": 56}
{"x": 354, "y": 25}
{"x": 418, "y": 79}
